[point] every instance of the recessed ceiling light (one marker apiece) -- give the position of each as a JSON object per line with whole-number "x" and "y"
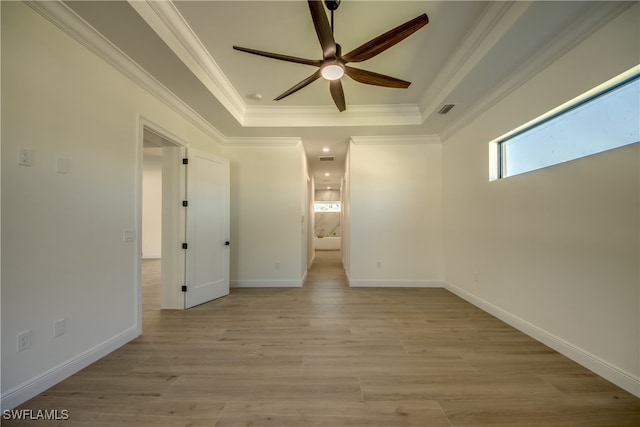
{"x": 328, "y": 188}
{"x": 255, "y": 96}
{"x": 327, "y": 174}
{"x": 326, "y": 149}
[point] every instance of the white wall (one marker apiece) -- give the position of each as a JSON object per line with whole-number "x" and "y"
{"x": 327, "y": 195}
{"x": 395, "y": 212}
{"x": 345, "y": 219}
{"x": 152, "y": 203}
{"x": 62, "y": 234}
{"x": 556, "y": 251}
{"x": 311, "y": 253}
{"x": 307, "y": 220}
{"x": 268, "y": 235}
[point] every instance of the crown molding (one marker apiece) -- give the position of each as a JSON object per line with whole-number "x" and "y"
{"x": 164, "y": 18}
{"x": 395, "y": 139}
{"x": 589, "y": 23}
{"x": 77, "y": 28}
{"x": 261, "y": 141}
{"x": 496, "y": 19}
{"x": 355, "y": 115}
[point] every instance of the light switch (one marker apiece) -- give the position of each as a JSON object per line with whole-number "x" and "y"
{"x": 62, "y": 165}
{"x": 59, "y": 328}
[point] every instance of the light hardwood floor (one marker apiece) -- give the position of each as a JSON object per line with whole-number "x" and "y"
{"x": 330, "y": 355}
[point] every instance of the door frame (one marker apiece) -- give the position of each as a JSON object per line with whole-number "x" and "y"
{"x": 172, "y": 297}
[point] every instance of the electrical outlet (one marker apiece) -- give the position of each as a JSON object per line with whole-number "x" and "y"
{"x": 25, "y": 157}
{"x": 24, "y": 340}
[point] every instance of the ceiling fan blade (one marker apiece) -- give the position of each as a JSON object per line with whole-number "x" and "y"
{"x": 386, "y": 40}
{"x": 287, "y": 58}
{"x": 323, "y": 29}
{"x": 376, "y": 79}
{"x": 315, "y": 76}
{"x": 335, "y": 87}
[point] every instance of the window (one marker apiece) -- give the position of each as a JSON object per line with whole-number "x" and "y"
{"x": 326, "y": 206}
{"x": 605, "y": 118}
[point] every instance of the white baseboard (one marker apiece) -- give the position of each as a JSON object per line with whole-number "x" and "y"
{"x": 619, "y": 377}
{"x": 395, "y": 283}
{"x": 266, "y": 283}
{"x": 37, "y": 385}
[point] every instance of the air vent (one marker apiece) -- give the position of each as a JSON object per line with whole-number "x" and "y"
{"x": 326, "y": 158}
{"x": 446, "y": 108}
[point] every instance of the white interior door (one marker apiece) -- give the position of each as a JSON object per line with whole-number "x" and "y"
{"x": 207, "y": 224}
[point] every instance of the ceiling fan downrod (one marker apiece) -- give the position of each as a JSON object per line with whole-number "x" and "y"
{"x": 332, "y": 5}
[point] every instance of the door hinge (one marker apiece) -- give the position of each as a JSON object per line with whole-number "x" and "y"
{"x": 185, "y": 203}
{"x": 184, "y": 288}
{"x": 185, "y": 246}
{"x": 185, "y": 161}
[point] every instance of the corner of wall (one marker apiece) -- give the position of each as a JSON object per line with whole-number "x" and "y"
{"x": 35, "y": 386}
{"x": 616, "y": 375}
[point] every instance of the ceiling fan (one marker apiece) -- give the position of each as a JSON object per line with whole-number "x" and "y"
{"x": 333, "y": 65}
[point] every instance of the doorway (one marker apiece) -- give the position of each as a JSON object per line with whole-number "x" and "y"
{"x": 184, "y": 222}
{"x": 163, "y": 229}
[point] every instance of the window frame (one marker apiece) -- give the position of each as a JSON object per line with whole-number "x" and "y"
{"x": 498, "y": 147}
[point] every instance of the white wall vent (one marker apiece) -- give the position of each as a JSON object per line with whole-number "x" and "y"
{"x": 446, "y": 108}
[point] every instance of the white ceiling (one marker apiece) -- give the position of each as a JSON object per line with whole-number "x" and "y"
{"x": 470, "y": 54}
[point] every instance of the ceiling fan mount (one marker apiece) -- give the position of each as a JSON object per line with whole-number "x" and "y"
{"x": 332, "y": 4}
{"x": 333, "y": 65}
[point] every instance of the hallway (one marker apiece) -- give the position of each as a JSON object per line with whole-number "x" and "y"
{"x": 329, "y": 355}
{"x": 326, "y": 271}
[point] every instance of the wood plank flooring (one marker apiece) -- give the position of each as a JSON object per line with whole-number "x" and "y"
{"x": 329, "y": 355}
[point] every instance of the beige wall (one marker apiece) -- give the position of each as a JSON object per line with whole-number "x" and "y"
{"x": 395, "y": 212}
{"x": 152, "y": 203}
{"x": 268, "y": 231}
{"x": 555, "y": 251}
{"x": 63, "y": 254}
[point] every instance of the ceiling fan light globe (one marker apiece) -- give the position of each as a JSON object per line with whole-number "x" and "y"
{"x": 332, "y": 71}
